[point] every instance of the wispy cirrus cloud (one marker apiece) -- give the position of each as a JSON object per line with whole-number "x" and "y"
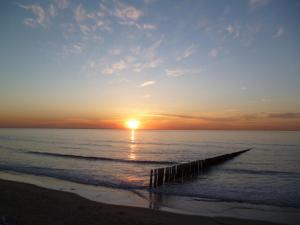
{"x": 186, "y": 116}
{"x": 147, "y": 83}
{"x": 126, "y": 12}
{"x": 174, "y": 72}
{"x": 137, "y": 60}
{"x": 43, "y": 15}
{"x": 189, "y": 51}
{"x": 73, "y": 48}
{"x": 279, "y": 32}
{"x": 231, "y": 118}
{"x": 61, "y": 4}
{"x": 288, "y": 115}
{"x": 40, "y": 19}
{"x": 140, "y": 66}
{"x": 233, "y": 31}
{"x": 129, "y": 15}
{"x": 115, "y": 67}
{"x": 149, "y": 26}
{"x": 225, "y": 30}
{"x": 89, "y": 22}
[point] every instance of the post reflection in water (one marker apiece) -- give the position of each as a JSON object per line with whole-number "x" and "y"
{"x": 155, "y": 199}
{"x": 132, "y": 145}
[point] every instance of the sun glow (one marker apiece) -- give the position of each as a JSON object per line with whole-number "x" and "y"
{"x": 133, "y": 124}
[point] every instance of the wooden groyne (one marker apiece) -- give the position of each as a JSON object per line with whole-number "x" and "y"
{"x": 184, "y": 171}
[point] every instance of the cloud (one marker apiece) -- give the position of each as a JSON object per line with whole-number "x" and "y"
{"x": 137, "y": 60}
{"x": 233, "y": 31}
{"x": 288, "y": 115}
{"x": 148, "y": 26}
{"x": 147, "y": 83}
{"x": 127, "y": 12}
{"x": 258, "y": 3}
{"x": 187, "y": 52}
{"x": 43, "y": 15}
{"x": 116, "y": 67}
{"x": 102, "y": 66}
{"x": 145, "y": 58}
{"x": 237, "y": 117}
{"x": 215, "y": 52}
{"x": 150, "y": 52}
{"x": 80, "y": 13}
{"x": 185, "y": 116}
{"x": 74, "y": 48}
{"x": 89, "y": 22}
{"x": 40, "y": 19}
{"x": 61, "y": 4}
{"x": 129, "y": 15}
{"x": 279, "y": 32}
{"x": 222, "y": 30}
{"x": 52, "y": 11}
{"x": 175, "y": 72}
{"x": 138, "y": 67}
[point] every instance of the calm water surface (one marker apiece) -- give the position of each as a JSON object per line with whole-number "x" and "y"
{"x": 268, "y": 175}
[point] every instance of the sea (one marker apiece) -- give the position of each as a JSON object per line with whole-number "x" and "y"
{"x": 262, "y": 183}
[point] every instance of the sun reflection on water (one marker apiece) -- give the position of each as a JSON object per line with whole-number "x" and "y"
{"x": 132, "y": 137}
{"x": 132, "y": 146}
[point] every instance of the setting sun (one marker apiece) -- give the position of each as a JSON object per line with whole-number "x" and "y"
{"x": 132, "y": 124}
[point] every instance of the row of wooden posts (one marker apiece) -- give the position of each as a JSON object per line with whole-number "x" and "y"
{"x": 184, "y": 171}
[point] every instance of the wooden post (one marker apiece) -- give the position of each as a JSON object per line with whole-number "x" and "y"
{"x": 167, "y": 175}
{"x": 150, "y": 182}
{"x": 173, "y": 173}
{"x": 158, "y": 177}
{"x": 162, "y": 171}
{"x": 155, "y": 178}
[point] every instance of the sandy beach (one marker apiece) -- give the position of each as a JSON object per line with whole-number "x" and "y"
{"x": 27, "y": 204}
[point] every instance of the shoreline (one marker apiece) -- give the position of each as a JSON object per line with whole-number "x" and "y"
{"x": 22, "y": 203}
{"x": 166, "y": 203}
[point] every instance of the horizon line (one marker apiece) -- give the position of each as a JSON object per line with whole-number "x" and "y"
{"x": 97, "y": 128}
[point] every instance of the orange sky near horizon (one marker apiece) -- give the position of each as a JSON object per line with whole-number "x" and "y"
{"x": 161, "y": 122}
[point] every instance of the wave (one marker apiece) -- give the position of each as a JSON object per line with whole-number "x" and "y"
{"x": 262, "y": 172}
{"x": 222, "y": 197}
{"x": 94, "y": 158}
{"x": 110, "y": 143}
{"x": 34, "y": 140}
{"x": 70, "y": 175}
{"x": 83, "y": 178}
{"x": 12, "y": 148}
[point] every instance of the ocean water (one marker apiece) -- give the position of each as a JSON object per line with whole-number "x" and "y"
{"x": 269, "y": 174}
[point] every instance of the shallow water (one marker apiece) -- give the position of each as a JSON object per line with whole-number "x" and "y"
{"x": 269, "y": 174}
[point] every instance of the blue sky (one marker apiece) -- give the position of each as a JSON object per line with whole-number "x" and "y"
{"x": 204, "y": 61}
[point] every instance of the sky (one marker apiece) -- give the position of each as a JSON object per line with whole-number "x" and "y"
{"x": 169, "y": 64}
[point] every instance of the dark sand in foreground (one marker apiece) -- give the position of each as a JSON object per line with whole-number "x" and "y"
{"x": 26, "y": 204}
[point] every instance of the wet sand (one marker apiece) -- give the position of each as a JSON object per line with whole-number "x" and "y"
{"x": 26, "y": 204}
